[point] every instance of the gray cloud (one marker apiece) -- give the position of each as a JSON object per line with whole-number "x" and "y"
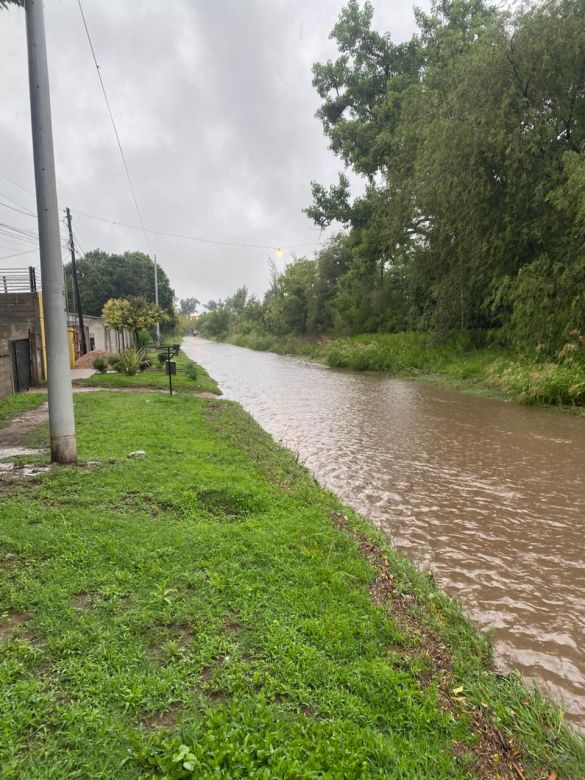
{"x": 215, "y": 108}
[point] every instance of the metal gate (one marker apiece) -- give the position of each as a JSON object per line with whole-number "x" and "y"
{"x": 21, "y": 364}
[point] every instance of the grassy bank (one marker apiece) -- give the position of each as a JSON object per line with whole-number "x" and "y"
{"x": 208, "y": 611}
{"x": 190, "y": 378}
{"x": 455, "y": 361}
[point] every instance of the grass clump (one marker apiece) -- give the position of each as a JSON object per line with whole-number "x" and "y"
{"x": 18, "y": 404}
{"x": 539, "y": 383}
{"x": 132, "y": 361}
{"x": 208, "y": 611}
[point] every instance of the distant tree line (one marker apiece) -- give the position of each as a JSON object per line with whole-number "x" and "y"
{"x": 469, "y": 138}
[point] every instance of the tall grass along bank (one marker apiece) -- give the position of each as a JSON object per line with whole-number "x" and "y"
{"x": 454, "y": 360}
{"x": 208, "y": 611}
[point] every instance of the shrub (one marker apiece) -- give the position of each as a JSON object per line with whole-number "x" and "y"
{"x": 113, "y": 360}
{"x": 131, "y": 361}
{"x": 100, "y": 365}
{"x": 162, "y": 357}
{"x": 539, "y": 383}
{"x": 191, "y": 371}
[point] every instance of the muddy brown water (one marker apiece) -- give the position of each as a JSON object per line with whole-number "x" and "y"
{"x": 488, "y": 495}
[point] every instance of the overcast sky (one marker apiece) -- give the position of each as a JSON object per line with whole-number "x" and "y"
{"x": 215, "y": 109}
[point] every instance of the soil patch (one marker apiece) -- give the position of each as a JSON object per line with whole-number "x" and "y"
{"x": 86, "y": 361}
{"x": 10, "y": 625}
{"x": 83, "y": 601}
{"x": 13, "y": 436}
{"x": 162, "y": 720}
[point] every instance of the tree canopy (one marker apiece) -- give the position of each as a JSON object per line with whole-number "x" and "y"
{"x": 469, "y": 139}
{"x": 188, "y": 306}
{"x": 103, "y": 276}
{"x": 135, "y": 314}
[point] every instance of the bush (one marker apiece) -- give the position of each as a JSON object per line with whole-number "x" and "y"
{"x": 131, "y": 361}
{"x": 162, "y": 358}
{"x": 100, "y": 365}
{"x": 113, "y": 360}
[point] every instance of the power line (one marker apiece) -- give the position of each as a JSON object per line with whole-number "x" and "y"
{"x": 242, "y": 245}
{"x": 20, "y": 211}
{"x": 16, "y": 202}
{"x": 20, "y": 187}
{"x": 14, "y": 234}
{"x": 19, "y": 254}
{"x": 122, "y": 155}
{"x": 80, "y": 243}
{"x": 27, "y": 232}
{"x": 170, "y": 234}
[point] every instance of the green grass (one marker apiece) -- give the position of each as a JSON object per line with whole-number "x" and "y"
{"x": 195, "y": 613}
{"x": 18, "y": 404}
{"x": 190, "y": 377}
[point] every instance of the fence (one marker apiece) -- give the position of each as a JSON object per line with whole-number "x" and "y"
{"x": 19, "y": 280}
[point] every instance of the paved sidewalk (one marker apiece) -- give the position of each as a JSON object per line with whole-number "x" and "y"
{"x": 81, "y": 373}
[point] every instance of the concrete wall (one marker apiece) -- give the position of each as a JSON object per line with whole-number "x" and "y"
{"x": 105, "y": 338}
{"x": 19, "y": 319}
{"x": 6, "y": 379}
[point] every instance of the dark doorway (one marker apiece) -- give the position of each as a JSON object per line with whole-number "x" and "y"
{"x": 21, "y": 364}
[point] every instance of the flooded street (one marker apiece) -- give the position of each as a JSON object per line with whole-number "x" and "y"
{"x": 489, "y": 495}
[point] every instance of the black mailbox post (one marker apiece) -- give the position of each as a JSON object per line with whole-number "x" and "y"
{"x": 171, "y": 365}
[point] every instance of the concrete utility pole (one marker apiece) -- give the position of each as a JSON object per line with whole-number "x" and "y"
{"x": 156, "y": 298}
{"x": 61, "y": 419}
{"x": 76, "y": 283}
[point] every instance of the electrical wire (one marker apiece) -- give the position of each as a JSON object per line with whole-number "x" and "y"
{"x": 18, "y": 254}
{"x": 20, "y": 211}
{"x": 193, "y": 238}
{"x": 169, "y": 234}
{"x": 79, "y": 242}
{"x": 16, "y": 202}
{"x": 20, "y": 187}
{"x": 16, "y": 234}
{"x": 122, "y": 155}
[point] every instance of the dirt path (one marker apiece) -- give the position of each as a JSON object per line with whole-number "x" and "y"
{"x": 13, "y": 436}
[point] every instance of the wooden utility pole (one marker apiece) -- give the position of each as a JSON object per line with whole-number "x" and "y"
{"x": 76, "y": 283}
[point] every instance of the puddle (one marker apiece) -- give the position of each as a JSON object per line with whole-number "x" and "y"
{"x": 12, "y": 471}
{"x": 14, "y": 452}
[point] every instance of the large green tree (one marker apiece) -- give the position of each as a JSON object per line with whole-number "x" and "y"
{"x": 462, "y": 135}
{"x": 103, "y": 276}
{"x": 470, "y": 142}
